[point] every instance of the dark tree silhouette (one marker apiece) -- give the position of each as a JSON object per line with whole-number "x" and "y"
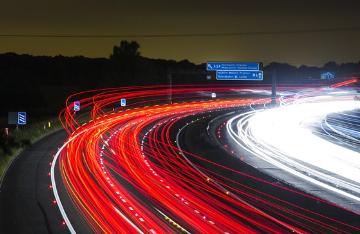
{"x": 126, "y": 50}
{"x": 330, "y": 66}
{"x": 40, "y": 83}
{"x": 128, "y": 67}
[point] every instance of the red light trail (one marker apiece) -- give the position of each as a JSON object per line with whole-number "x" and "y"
{"x": 124, "y": 172}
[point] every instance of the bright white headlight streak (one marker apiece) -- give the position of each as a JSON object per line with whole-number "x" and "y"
{"x": 127, "y": 220}
{"x": 53, "y": 183}
{"x": 56, "y": 194}
{"x": 276, "y": 136}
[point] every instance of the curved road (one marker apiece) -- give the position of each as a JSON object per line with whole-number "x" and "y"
{"x": 115, "y": 145}
{"x": 26, "y": 200}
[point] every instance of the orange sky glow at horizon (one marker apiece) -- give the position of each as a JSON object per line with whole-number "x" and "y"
{"x": 307, "y": 32}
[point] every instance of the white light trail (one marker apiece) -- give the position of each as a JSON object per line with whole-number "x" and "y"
{"x": 278, "y": 137}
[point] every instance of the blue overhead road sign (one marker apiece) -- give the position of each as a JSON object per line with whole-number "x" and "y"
{"x": 239, "y": 75}
{"x": 21, "y": 117}
{"x": 232, "y": 66}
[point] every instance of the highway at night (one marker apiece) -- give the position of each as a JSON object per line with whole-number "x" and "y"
{"x": 205, "y": 164}
{"x": 173, "y": 195}
{"x": 180, "y": 117}
{"x": 126, "y": 171}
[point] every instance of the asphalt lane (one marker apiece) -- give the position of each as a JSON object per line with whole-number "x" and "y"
{"x": 26, "y": 201}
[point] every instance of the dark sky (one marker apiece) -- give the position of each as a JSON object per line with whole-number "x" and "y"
{"x": 268, "y": 30}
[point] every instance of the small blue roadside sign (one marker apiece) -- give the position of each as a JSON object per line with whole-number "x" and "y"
{"x": 232, "y": 66}
{"x": 239, "y": 75}
{"x": 123, "y": 102}
{"x": 76, "y": 106}
{"x": 21, "y": 117}
{"x": 327, "y": 75}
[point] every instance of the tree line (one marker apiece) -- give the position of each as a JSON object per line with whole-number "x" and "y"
{"x": 44, "y": 82}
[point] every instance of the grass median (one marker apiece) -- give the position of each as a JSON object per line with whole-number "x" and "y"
{"x": 13, "y": 141}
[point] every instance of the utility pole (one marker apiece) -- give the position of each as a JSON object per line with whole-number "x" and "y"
{"x": 273, "y": 87}
{"x": 169, "y": 78}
